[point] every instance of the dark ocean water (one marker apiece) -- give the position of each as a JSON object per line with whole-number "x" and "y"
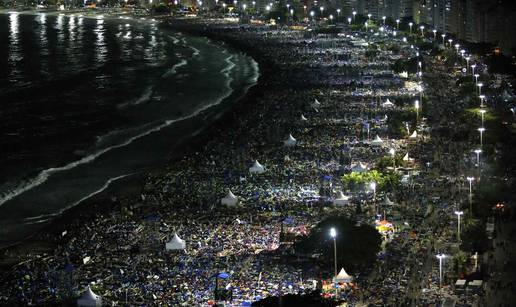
{"x": 85, "y": 102}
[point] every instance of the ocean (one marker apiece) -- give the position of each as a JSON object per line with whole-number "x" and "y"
{"x": 86, "y": 101}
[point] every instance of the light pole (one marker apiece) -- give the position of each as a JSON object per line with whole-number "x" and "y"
{"x": 473, "y": 66}
{"x": 368, "y": 17}
{"x": 416, "y": 105}
{"x": 393, "y": 152}
{"x": 333, "y": 234}
{"x": 481, "y": 130}
{"x": 482, "y": 112}
{"x": 349, "y": 20}
{"x": 480, "y": 84}
{"x": 422, "y": 28}
{"x": 354, "y": 14}
{"x": 458, "y": 213}
{"x": 383, "y": 18}
{"x": 435, "y": 33}
{"x": 397, "y": 24}
{"x": 441, "y": 258}
{"x": 373, "y": 187}
{"x": 467, "y": 61}
{"x": 470, "y": 179}
{"x": 322, "y": 11}
{"x": 476, "y": 77}
{"x": 410, "y": 24}
{"x": 450, "y": 41}
{"x": 338, "y": 15}
{"x": 443, "y": 36}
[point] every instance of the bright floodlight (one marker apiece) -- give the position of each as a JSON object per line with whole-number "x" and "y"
{"x": 470, "y": 178}
{"x": 459, "y": 212}
{"x": 440, "y": 256}
{"x": 481, "y": 129}
{"x": 333, "y": 232}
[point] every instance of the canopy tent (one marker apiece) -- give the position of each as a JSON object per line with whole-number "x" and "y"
{"x": 341, "y": 199}
{"x": 291, "y": 141}
{"x": 413, "y": 135}
{"x": 377, "y": 141}
{"x": 387, "y": 202}
{"x": 230, "y": 199}
{"x": 89, "y": 299}
{"x": 343, "y": 276}
{"x": 176, "y": 243}
{"x": 407, "y": 158}
{"x": 387, "y": 104}
{"x": 359, "y": 167}
{"x": 303, "y": 118}
{"x": 257, "y": 168}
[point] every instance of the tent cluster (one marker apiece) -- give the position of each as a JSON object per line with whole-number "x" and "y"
{"x": 175, "y": 244}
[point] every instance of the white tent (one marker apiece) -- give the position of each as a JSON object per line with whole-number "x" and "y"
{"x": 257, "y": 168}
{"x": 388, "y": 202}
{"x": 341, "y": 199}
{"x": 89, "y": 299}
{"x": 377, "y": 141}
{"x": 413, "y": 135}
{"x": 359, "y": 167}
{"x": 387, "y": 104}
{"x": 230, "y": 199}
{"x": 343, "y": 277}
{"x": 176, "y": 243}
{"x": 407, "y": 158}
{"x": 303, "y": 118}
{"x": 291, "y": 141}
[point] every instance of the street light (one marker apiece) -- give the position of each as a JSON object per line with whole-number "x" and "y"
{"x": 443, "y": 36}
{"x": 476, "y": 77}
{"x": 458, "y": 213}
{"x": 435, "y": 33}
{"x": 349, "y": 20}
{"x": 478, "y": 152}
{"x": 373, "y": 187}
{"x": 354, "y": 14}
{"x": 450, "y": 41}
{"x": 369, "y": 16}
{"x": 338, "y": 15}
{"x": 393, "y": 152}
{"x": 473, "y": 66}
{"x": 482, "y": 112}
{"x": 322, "y": 10}
{"x": 441, "y": 258}
{"x": 410, "y": 24}
{"x": 422, "y": 28}
{"x": 481, "y": 130}
{"x": 333, "y": 234}
{"x": 384, "y": 20}
{"x": 470, "y": 180}
{"x": 480, "y": 84}
{"x": 416, "y": 105}
{"x": 397, "y": 24}
{"x": 467, "y": 61}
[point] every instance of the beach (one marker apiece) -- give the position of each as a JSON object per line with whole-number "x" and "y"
{"x": 323, "y": 111}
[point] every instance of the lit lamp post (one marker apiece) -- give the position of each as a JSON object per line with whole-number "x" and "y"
{"x": 467, "y": 61}
{"x": 473, "y": 66}
{"x": 476, "y": 77}
{"x": 366, "y": 26}
{"x": 397, "y": 24}
{"x": 312, "y": 13}
{"x": 457, "y": 46}
{"x": 422, "y": 28}
{"x": 435, "y": 33}
{"x": 338, "y": 15}
{"x": 481, "y": 130}
{"x": 368, "y": 17}
{"x": 410, "y": 24}
{"x": 482, "y": 112}
{"x": 383, "y": 18}
{"x": 333, "y": 234}
{"x": 393, "y": 152}
{"x": 322, "y": 11}
{"x": 443, "y": 36}
{"x": 354, "y": 14}
{"x": 480, "y": 88}
{"x": 349, "y": 20}
{"x": 458, "y": 213}
{"x": 450, "y": 41}
{"x": 441, "y": 258}
{"x": 470, "y": 179}
{"x": 416, "y": 105}
{"x": 373, "y": 187}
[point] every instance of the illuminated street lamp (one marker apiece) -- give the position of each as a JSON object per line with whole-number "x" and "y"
{"x": 372, "y": 185}
{"x": 349, "y": 20}
{"x": 482, "y": 112}
{"x": 480, "y": 84}
{"x": 383, "y": 18}
{"x": 476, "y": 77}
{"x": 410, "y": 24}
{"x": 354, "y": 14}
{"x": 422, "y": 28}
{"x": 473, "y": 66}
{"x": 458, "y": 213}
{"x": 481, "y": 130}
{"x": 416, "y": 105}
{"x": 397, "y": 24}
{"x": 333, "y": 234}
{"x": 338, "y": 14}
{"x": 435, "y": 33}
{"x": 443, "y": 36}
{"x": 467, "y": 61}
{"x": 450, "y": 41}
{"x": 470, "y": 180}
{"x": 368, "y": 16}
{"x": 478, "y": 152}
{"x": 441, "y": 258}
{"x": 393, "y": 152}
{"x": 322, "y": 10}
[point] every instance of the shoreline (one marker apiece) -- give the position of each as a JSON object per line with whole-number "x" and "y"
{"x": 133, "y": 185}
